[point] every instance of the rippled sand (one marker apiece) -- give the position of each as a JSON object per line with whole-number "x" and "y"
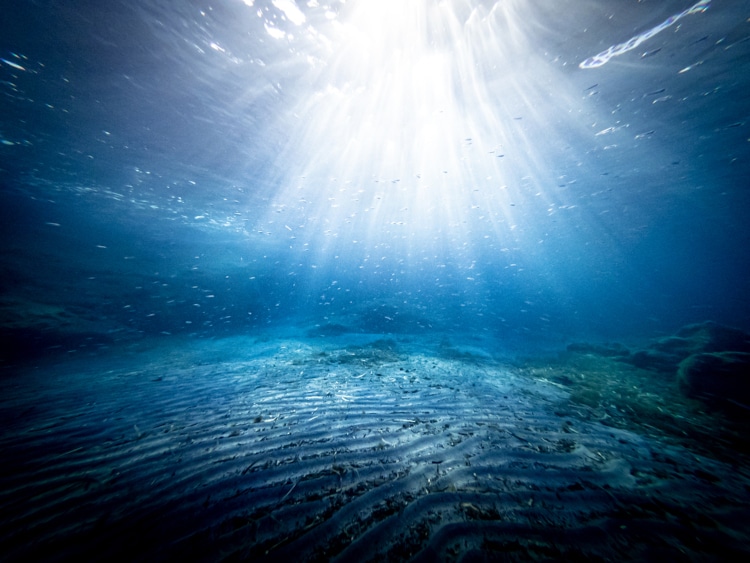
{"x": 289, "y": 450}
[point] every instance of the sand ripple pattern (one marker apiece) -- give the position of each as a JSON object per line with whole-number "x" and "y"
{"x": 308, "y": 457}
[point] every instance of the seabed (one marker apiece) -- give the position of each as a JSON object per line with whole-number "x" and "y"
{"x": 361, "y": 448}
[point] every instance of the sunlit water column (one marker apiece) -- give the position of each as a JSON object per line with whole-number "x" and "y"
{"x": 404, "y": 133}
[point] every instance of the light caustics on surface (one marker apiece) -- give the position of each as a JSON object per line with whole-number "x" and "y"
{"x": 616, "y": 50}
{"x": 431, "y": 123}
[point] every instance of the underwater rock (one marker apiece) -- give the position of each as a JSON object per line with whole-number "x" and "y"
{"x": 703, "y": 337}
{"x": 720, "y": 378}
{"x": 654, "y": 360}
{"x": 713, "y": 337}
{"x": 666, "y": 354}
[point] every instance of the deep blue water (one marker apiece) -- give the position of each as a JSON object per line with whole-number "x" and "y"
{"x": 512, "y": 175}
{"x": 618, "y": 206}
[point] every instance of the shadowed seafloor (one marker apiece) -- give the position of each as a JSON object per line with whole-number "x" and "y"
{"x": 359, "y": 447}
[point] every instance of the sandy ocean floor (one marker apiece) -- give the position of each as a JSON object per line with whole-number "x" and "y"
{"x": 353, "y": 449}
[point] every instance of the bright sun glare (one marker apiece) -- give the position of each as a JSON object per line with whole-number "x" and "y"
{"x": 428, "y": 122}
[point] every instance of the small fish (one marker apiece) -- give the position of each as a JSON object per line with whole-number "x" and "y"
{"x": 14, "y": 65}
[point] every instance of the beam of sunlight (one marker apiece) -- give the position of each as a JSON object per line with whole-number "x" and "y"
{"x": 432, "y": 126}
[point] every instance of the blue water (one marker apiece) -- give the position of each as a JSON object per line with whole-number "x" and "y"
{"x": 617, "y": 207}
{"x": 495, "y": 178}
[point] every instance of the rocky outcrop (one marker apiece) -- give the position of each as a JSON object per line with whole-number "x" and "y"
{"x": 719, "y": 378}
{"x": 666, "y": 354}
{"x": 710, "y": 361}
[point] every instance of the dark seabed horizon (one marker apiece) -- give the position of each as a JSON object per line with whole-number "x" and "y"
{"x": 453, "y": 280}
